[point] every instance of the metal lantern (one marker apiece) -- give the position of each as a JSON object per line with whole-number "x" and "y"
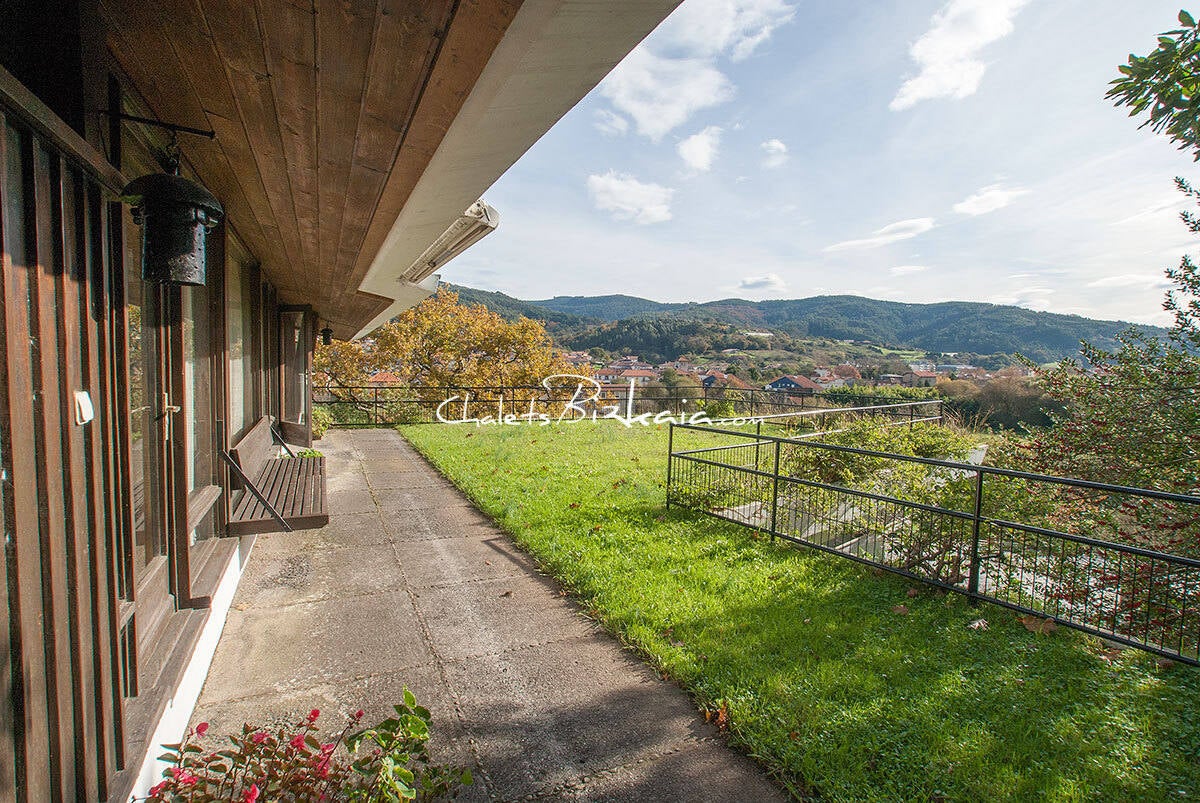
{"x": 326, "y": 336}
{"x": 175, "y": 215}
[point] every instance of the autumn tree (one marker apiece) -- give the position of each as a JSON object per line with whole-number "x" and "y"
{"x": 682, "y": 391}
{"x": 342, "y": 365}
{"x": 441, "y": 343}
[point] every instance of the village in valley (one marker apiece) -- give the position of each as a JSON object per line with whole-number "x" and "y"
{"x": 616, "y": 375}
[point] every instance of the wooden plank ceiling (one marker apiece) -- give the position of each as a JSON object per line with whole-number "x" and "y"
{"x": 326, "y": 114}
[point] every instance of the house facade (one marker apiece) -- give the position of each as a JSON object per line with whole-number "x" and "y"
{"x": 794, "y": 384}
{"x": 347, "y": 146}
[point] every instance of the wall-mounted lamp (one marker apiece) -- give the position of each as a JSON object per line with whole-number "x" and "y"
{"x": 175, "y": 215}
{"x": 326, "y": 336}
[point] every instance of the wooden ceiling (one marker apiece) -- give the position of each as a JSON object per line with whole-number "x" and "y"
{"x": 326, "y": 113}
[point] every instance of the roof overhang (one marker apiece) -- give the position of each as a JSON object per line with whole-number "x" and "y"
{"x": 352, "y": 135}
{"x": 553, "y": 53}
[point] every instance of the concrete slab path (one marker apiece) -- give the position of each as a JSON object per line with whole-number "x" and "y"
{"x": 410, "y": 585}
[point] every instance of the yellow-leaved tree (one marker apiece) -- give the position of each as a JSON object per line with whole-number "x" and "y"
{"x": 441, "y": 343}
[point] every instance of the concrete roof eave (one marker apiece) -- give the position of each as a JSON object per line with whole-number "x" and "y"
{"x": 552, "y": 55}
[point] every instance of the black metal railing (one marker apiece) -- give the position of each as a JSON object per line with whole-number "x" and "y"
{"x": 386, "y": 405}
{"x": 1083, "y": 554}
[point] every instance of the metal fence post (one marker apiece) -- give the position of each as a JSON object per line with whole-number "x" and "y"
{"x": 976, "y": 523}
{"x": 775, "y": 493}
{"x": 670, "y": 458}
{"x": 375, "y": 406}
{"x": 757, "y": 444}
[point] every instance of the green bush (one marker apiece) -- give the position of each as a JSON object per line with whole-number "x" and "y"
{"x": 322, "y": 420}
{"x": 386, "y": 762}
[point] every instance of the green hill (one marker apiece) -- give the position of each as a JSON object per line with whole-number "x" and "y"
{"x": 950, "y": 326}
{"x": 558, "y": 323}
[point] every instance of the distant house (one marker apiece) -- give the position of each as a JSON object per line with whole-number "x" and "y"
{"x": 577, "y": 359}
{"x": 381, "y": 379}
{"x": 919, "y": 379}
{"x": 794, "y": 383}
{"x": 606, "y": 375}
{"x": 638, "y": 376}
{"x": 681, "y": 366}
{"x": 712, "y": 379}
{"x": 630, "y": 362}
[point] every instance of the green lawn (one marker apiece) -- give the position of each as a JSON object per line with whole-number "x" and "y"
{"x": 836, "y": 690}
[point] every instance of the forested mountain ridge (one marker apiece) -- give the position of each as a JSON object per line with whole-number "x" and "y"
{"x": 949, "y": 326}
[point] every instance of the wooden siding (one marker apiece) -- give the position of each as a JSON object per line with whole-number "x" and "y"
{"x": 326, "y": 114}
{"x": 61, "y": 703}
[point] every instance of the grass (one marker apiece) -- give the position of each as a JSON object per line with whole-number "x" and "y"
{"x": 819, "y": 676}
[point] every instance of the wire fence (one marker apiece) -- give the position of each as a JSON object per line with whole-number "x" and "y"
{"x": 1059, "y": 549}
{"x": 359, "y": 406}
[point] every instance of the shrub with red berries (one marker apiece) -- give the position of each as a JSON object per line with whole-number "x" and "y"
{"x": 388, "y": 761}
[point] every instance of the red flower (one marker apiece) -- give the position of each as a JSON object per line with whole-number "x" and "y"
{"x": 183, "y": 777}
{"x": 327, "y": 748}
{"x": 157, "y": 789}
{"x": 359, "y": 714}
{"x": 202, "y": 729}
{"x": 313, "y": 714}
{"x": 297, "y": 741}
{"x": 251, "y": 794}
{"x": 259, "y": 737}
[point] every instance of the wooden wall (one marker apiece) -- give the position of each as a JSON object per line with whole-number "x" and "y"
{"x": 60, "y": 486}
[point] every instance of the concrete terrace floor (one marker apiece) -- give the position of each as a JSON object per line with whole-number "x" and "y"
{"x": 410, "y": 585}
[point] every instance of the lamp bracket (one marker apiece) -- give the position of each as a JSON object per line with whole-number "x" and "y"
{"x": 179, "y": 129}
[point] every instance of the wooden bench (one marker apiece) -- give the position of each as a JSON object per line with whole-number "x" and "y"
{"x": 280, "y": 494}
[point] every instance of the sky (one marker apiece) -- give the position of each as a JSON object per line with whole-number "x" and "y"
{"x": 909, "y": 150}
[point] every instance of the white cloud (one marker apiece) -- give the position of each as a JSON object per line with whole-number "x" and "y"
{"x": 630, "y": 199}
{"x": 1033, "y": 298}
{"x": 700, "y": 149}
{"x": 674, "y": 74}
{"x": 1173, "y": 204}
{"x": 771, "y": 283}
{"x": 663, "y": 93}
{"x": 894, "y": 232}
{"x": 1131, "y": 280}
{"x": 904, "y": 270}
{"x": 948, "y": 53}
{"x": 776, "y": 153}
{"x": 989, "y": 199}
{"x": 715, "y": 27}
{"x": 611, "y": 123}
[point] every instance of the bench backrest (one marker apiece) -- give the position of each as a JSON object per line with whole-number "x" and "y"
{"x": 255, "y": 448}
